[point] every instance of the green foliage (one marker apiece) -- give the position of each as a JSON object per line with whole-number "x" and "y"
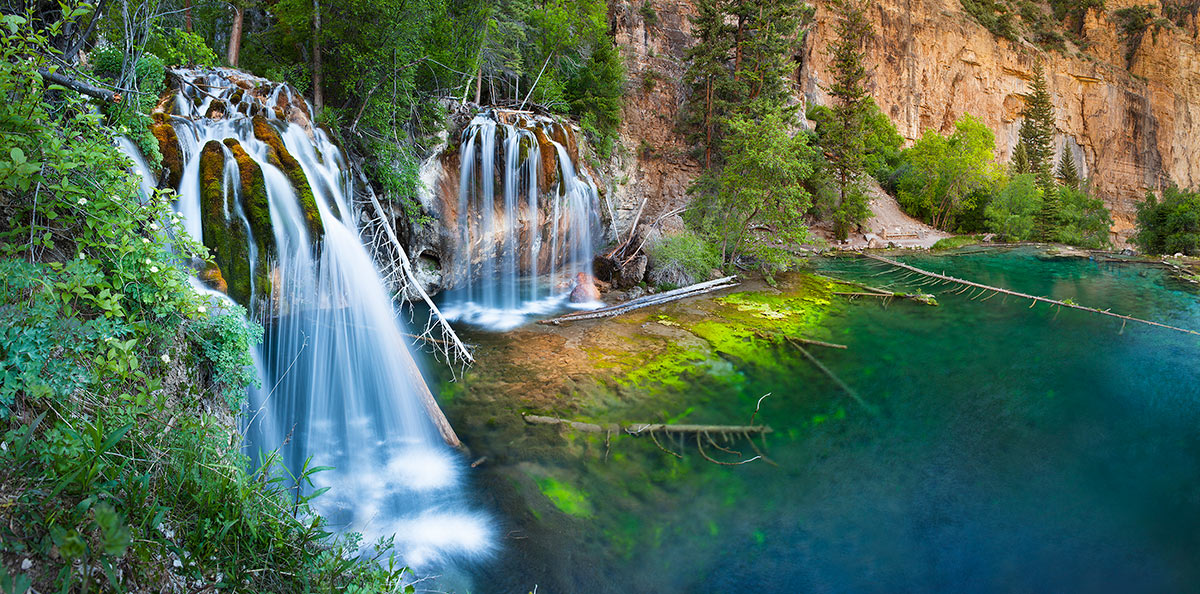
{"x": 1170, "y": 224}
{"x": 843, "y": 139}
{"x": 682, "y": 259}
{"x": 1067, "y": 173}
{"x": 880, "y": 140}
{"x": 649, "y": 15}
{"x": 114, "y": 470}
{"x": 177, "y": 47}
{"x": 993, "y": 15}
{"x": 594, "y": 94}
{"x": 953, "y": 243}
{"x": 739, "y": 66}
{"x": 1013, "y": 213}
{"x": 760, "y": 185}
{"x": 132, "y": 114}
{"x": 1083, "y": 220}
{"x": 1133, "y": 22}
{"x": 1038, "y": 129}
{"x": 940, "y": 177}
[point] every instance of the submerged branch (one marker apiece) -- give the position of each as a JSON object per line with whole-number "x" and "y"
{"x": 1034, "y": 298}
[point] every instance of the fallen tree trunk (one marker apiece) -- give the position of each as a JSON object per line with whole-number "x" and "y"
{"x": 647, "y": 301}
{"x": 646, "y": 428}
{"x": 80, "y": 87}
{"x": 1035, "y": 298}
{"x": 925, "y": 298}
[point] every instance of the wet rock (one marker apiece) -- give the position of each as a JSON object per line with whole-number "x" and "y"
{"x": 585, "y": 289}
{"x": 279, "y": 156}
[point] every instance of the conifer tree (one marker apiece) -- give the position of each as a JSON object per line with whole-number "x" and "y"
{"x": 1020, "y": 160}
{"x": 1067, "y": 174}
{"x": 1037, "y": 129}
{"x": 844, "y": 143}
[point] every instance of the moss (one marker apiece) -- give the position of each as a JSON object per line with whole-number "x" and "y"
{"x": 216, "y": 110}
{"x": 955, "y": 242}
{"x": 278, "y": 155}
{"x": 168, "y": 145}
{"x": 256, "y": 207}
{"x": 236, "y": 97}
{"x": 225, "y": 237}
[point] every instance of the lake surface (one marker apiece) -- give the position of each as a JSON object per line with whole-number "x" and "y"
{"x": 1001, "y": 448}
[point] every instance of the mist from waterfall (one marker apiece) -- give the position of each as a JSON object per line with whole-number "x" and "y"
{"x": 339, "y": 384}
{"x": 525, "y": 224}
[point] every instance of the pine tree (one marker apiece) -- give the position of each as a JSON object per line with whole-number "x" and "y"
{"x": 1037, "y": 129}
{"x": 844, "y": 144}
{"x": 708, "y": 74}
{"x": 1020, "y": 160}
{"x": 1067, "y": 174}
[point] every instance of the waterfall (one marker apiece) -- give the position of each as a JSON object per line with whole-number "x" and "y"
{"x": 270, "y": 195}
{"x": 525, "y": 223}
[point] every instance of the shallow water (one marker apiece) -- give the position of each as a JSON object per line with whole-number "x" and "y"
{"x": 1011, "y": 449}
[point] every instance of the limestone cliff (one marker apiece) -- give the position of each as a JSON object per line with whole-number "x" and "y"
{"x": 1127, "y": 116}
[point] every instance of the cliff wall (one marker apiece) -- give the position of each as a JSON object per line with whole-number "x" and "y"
{"x": 1130, "y": 116}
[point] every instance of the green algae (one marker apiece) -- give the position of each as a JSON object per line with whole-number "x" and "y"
{"x": 224, "y": 236}
{"x": 256, "y": 206}
{"x": 567, "y": 498}
{"x": 278, "y": 155}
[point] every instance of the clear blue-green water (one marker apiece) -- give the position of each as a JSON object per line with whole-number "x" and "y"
{"x": 1011, "y": 450}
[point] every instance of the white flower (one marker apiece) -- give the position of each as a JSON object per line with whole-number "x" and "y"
{"x": 4, "y": 446}
{"x": 165, "y": 358}
{"x": 26, "y": 565}
{"x": 167, "y": 532}
{"x": 82, "y": 201}
{"x": 144, "y": 240}
{"x": 154, "y": 226}
{"x": 147, "y": 261}
{"x": 81, "y": 255}
{"x": 201, "y": 309}
{"x": 177, "y": 563}
{"x": 153, "y": 269}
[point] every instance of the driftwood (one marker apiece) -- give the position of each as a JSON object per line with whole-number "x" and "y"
{"x": 984, "y": 289}
{"x": 647, "y": 301}
{"x": 833, "y": 376}
{"x": 80, "y": 87}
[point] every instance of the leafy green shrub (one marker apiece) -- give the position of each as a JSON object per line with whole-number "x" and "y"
{"x": 1171, "y": 224}
{"x": 992, "y": 15}
{"x": 177, "y": 47}
{"x": 681, "y": 259}
{"x": 649, "y": 15}
{"x": 1083, "y": 220}
{"x": 132, "y": 114}
{"x": 941, "y": 177}
{"x": 115, "y": 469}
{"x": 953, "y": 243}
{"x": 1013, "y": 213}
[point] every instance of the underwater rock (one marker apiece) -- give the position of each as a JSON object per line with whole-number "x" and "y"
{"x": 279, "y": 156}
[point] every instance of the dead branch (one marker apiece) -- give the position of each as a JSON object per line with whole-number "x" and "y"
{"x": 80, "y": 87}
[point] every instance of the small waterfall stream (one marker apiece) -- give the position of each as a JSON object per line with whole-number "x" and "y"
{"x": 525, "y": 224}
{"x": 270, "y": 195}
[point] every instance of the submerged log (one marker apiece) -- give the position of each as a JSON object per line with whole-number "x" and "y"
{"x": 994, "y": 290}
{"x": 647, "y": 428}
{"x": 647, "y": 301}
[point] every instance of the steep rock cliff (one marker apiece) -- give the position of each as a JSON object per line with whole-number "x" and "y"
{"x": 1125, "y": 113}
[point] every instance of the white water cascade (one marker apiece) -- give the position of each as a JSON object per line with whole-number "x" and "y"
{"x": 339, "y": 385}
{"x": 525, "y": 223}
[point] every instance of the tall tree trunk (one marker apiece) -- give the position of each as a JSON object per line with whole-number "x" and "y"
{"x": 187, "y": 15}
{"x": 708, "y": 125}
{"x": 318, "y": 78}
{"x": 235, "y": 36}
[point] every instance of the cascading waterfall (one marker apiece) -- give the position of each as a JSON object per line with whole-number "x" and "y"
{"x": 269, "y": 194}
{"x": 521, "y": 250}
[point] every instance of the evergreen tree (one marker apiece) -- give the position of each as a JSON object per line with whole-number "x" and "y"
{"x": 844, "y": 141}
{"x": 1037, "y": 129}
{"x": 1020, "y": 160}
{"x": 739, "y": 65}
{"x": 1067, "y": 174}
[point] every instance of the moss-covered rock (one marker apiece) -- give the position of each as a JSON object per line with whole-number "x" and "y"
{"x": 168, "y": 145}
{"x": 216, "y": 110}
{"x": 278, "y": 155}
{"x": 224, "y": 236}
{"x": 256, "y": 207}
